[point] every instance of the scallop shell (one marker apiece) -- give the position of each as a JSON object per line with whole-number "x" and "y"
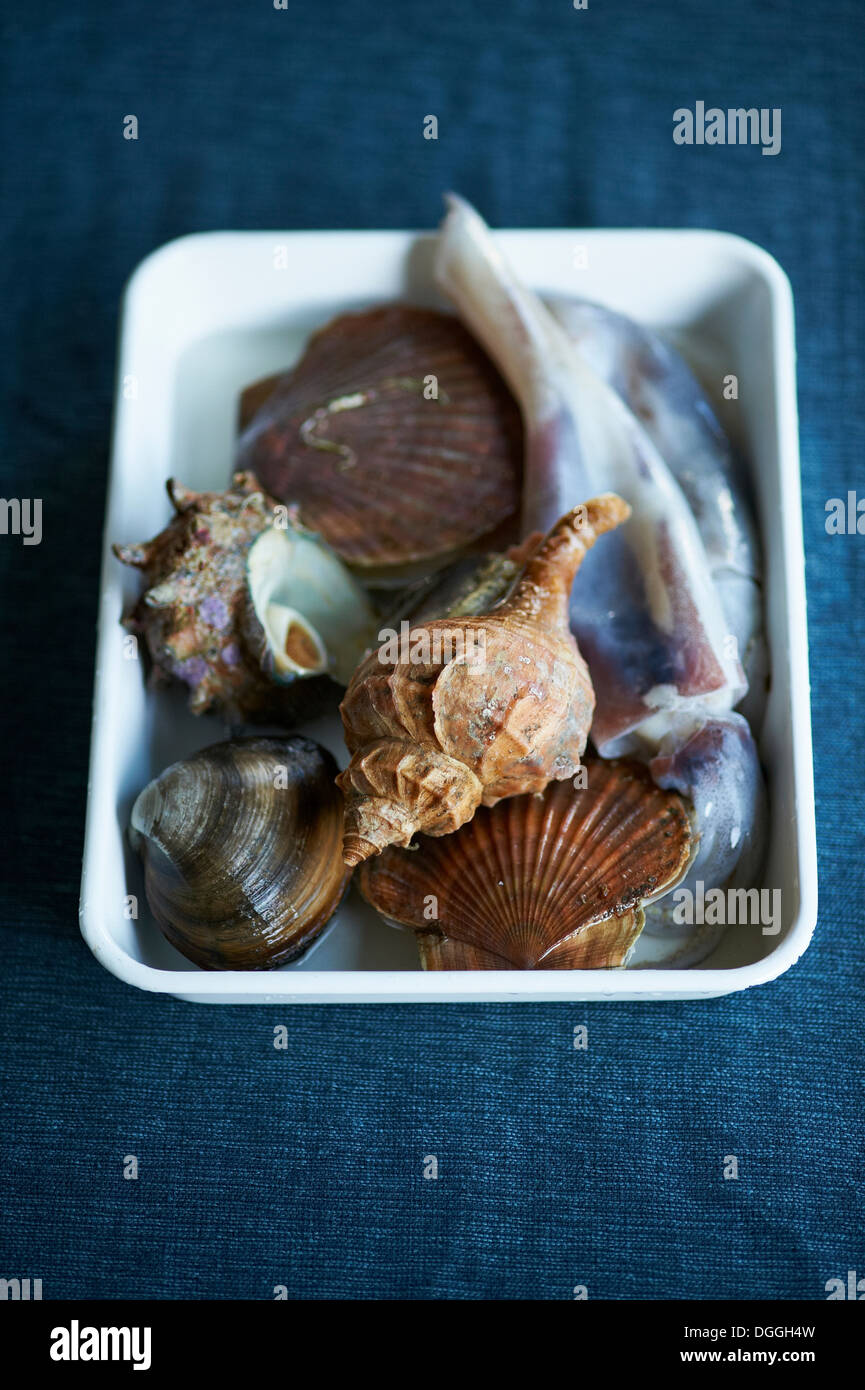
{"x": 394, "y": 435}
{"x": 549, "y": 882}
{"x": 241, "y": 849}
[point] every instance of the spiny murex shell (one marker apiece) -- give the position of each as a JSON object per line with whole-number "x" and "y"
{"x": 549, "y": 882}
{"x": 240, "y": 601}
{"x": 241, "y": 850}
{"x": 465, "y": 712}
{"x": 394, "y": 435}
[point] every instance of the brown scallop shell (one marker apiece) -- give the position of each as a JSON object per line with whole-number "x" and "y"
{"x": 386, "y": 473}
{"x": 549, "y": 882}
{"x": 241, "y": 851}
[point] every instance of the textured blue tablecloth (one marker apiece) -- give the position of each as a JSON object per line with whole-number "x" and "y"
{"x": 304, "y": 1168}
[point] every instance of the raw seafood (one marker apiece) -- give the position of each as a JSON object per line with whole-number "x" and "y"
{"x": 240, "y": 845}
{"x": 394, "y": 436}
{"x": 662, "y": 392}
{"x": 646, "y": 613}
{"x": 550, "y": 882}
{"x": 244, "y": 607}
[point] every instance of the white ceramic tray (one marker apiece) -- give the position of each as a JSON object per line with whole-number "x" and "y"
{"x": 208, "y": 314}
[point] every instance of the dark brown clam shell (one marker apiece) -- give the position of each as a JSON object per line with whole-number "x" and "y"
{"x": 549, "y": 882}
{"x": 241, "y": 846}
{"x": 386, "y": 473}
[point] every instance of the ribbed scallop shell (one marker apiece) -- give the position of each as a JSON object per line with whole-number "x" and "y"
{"x": 555, "y": 881}
{"x": 384, "y": 472}
{"x": 241, "y": 849}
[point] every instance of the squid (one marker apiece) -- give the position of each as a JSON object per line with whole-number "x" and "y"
{"x": 665, "y": 666}
{"x": 660, "y": 389}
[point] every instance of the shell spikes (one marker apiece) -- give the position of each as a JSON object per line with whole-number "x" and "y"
{"x": 182, "y": 497}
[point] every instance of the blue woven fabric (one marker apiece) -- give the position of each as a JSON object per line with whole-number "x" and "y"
{"x": 304, "y": 1168}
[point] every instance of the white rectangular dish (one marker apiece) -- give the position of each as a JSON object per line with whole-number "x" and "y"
{"x": 208, "y": 314}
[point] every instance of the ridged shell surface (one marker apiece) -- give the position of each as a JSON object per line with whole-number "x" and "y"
{"x": 394, "y": 435}
{"x": 555, "y": 881}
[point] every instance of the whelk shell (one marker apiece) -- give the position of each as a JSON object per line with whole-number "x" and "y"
{"x": 394, "y": 436}
{"x": 472, "y": 710}
{"x": 549, "y": 882}
{"x": 241, "y": 851}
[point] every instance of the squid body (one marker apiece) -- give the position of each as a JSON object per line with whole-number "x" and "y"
{"x": 660, "y": 389}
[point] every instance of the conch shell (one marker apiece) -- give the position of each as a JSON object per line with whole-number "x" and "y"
{"x": 469, "y": 712}
{"x": 240, "y": 845}
{"x": 550, "y": 882}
